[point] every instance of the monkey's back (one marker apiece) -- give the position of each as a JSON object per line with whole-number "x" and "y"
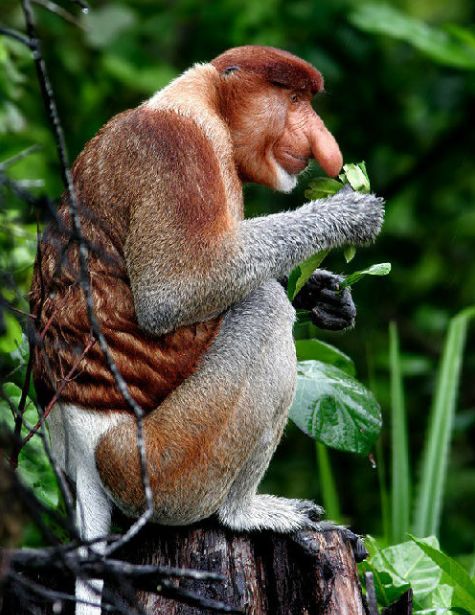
{"x": 151, "y": 366}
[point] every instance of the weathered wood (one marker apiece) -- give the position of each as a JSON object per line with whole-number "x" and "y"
{"x": 265, "y": 574}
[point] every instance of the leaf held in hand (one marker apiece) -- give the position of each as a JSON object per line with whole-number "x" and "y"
{"x": 322, "y": 187}
{"x": 349, "y": 253}
{"x": 379, "y": 269}
{"x": 356, "y": 175}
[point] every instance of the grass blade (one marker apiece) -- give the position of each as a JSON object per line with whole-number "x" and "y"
{"x": 400, "y": 479}
{"x": 436, "y": 450}
{"x": 331, "y": 502}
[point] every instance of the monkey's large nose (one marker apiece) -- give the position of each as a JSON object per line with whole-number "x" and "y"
{"x": 324, "y": 147}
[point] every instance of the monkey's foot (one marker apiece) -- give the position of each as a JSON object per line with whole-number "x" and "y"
{"x": 267, "y": 512}
{"x": 306, "y": 540}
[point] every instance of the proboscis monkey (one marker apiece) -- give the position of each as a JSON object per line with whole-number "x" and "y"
{"x": 187, "y": 295}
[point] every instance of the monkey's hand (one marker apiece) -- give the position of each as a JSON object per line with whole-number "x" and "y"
{"x": 330, "y": 307}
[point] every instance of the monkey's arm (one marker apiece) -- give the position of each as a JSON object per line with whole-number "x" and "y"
{"x": 189, "y": 256}
{"x": 330, "y": 308}
{"x": 205, "y": 282}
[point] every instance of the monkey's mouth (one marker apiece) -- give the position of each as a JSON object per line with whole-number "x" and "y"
{"x": 293, "y": 163}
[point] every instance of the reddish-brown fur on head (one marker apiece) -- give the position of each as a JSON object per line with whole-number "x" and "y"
{"x": 265, "y": 98}
{"x": 275, "y": 66}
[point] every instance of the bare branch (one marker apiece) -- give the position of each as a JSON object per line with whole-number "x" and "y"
{"x": 17, "y": 36}
{"x": 53, "y": 116}
{"x": 52, "y": 7}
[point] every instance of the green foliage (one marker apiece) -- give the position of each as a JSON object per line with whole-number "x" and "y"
{"x": 456, "y": 577}
{"x": 436, "y": 451}
{"x": 453, "y": 47}
{"x": 34, "y": 466}
{"x": 441, "y": 586}
{"x": 313, "y": 349}
{"x": 335, "y": 408}
{"x": 379, "y": 269}
{"x": 400, "y": 478}
{"x": 400, "y": 92}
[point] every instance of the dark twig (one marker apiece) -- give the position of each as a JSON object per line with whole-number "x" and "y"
{"x": 8, "y": 162}
{"x": 18, "y": 36}
{"x": 17, "y": 443}
{"x": 371, "y": 594}
{"x": 53, "y": 116}
{"x": 84, "y": 5}
{"x": 52, "y": 7}
{"x": 59, "y": 390}
{"x": 53, "y": 595}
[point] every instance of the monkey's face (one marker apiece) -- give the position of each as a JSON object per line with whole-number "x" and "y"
{"x": 266, "y": 99}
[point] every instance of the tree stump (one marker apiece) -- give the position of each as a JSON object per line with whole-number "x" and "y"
{"x": 265, "y": 573}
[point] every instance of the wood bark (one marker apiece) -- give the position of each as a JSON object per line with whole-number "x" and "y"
{"x": 264, "y": 573}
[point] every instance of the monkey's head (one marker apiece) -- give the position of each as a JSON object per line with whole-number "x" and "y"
{"x": 265, "y": 97}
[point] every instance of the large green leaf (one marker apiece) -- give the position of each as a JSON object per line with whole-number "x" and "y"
{"x": 455, "y": 575}
{"x": 401, "y": 566}
{"x": 335, "y": 408}
{"x": 316, "y": 350}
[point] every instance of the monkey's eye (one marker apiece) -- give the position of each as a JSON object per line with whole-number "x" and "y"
{"x": 230, "y": 69}
{"x": 294, "y": 98}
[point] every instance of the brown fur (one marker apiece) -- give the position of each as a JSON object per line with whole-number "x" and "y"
{"x": 152, "y": 367}
{"x": 160, "y": 202}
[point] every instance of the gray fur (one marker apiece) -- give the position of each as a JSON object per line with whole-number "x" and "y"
{"x": 265, "y": 248}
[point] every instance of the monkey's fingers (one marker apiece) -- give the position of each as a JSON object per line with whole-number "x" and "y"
{"x": 333, "y": 320}
{"x": 308, "y": 543}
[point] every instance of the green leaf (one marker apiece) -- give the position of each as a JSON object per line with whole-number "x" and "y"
{"x": 436, "y": 449}
{"x": 301, "y": 274}
{"x": 388, "y": 585}
{"x": 378, "y": 269}
{"x": 455, "y": 575}
{"x": 12, "y": 336}
{"x": 321, "y": 187}
{"x": 330, "y": 499}
{"x": 406, "y": 565}
{"x": 335, "y": 408}
{"x": 317, "y": 350}
{"x": 356, "y": 175}
{"x": 34, "y": 467}
{"x": 400, "y": 477}
{"x": 439, "y": 45}
{"x": 349, "y": 253}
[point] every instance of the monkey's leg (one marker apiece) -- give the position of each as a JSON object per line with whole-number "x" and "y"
{"x": 210, "y": 441}
{"x": 74, "y": 433}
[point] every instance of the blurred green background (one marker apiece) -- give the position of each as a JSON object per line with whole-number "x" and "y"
{"x": 400, "y": 94}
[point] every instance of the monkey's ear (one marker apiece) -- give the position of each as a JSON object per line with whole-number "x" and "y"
{"x": 230, "y": 69}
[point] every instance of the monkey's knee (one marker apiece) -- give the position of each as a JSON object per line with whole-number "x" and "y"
{"x": 118, "y": 464}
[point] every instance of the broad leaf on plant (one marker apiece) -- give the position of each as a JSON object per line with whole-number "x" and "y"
{"x": 335, "y": 408}
{"x": 455, "y": 575}
{"x": 313, "y": 349}
{"x": 406, "y": 566}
